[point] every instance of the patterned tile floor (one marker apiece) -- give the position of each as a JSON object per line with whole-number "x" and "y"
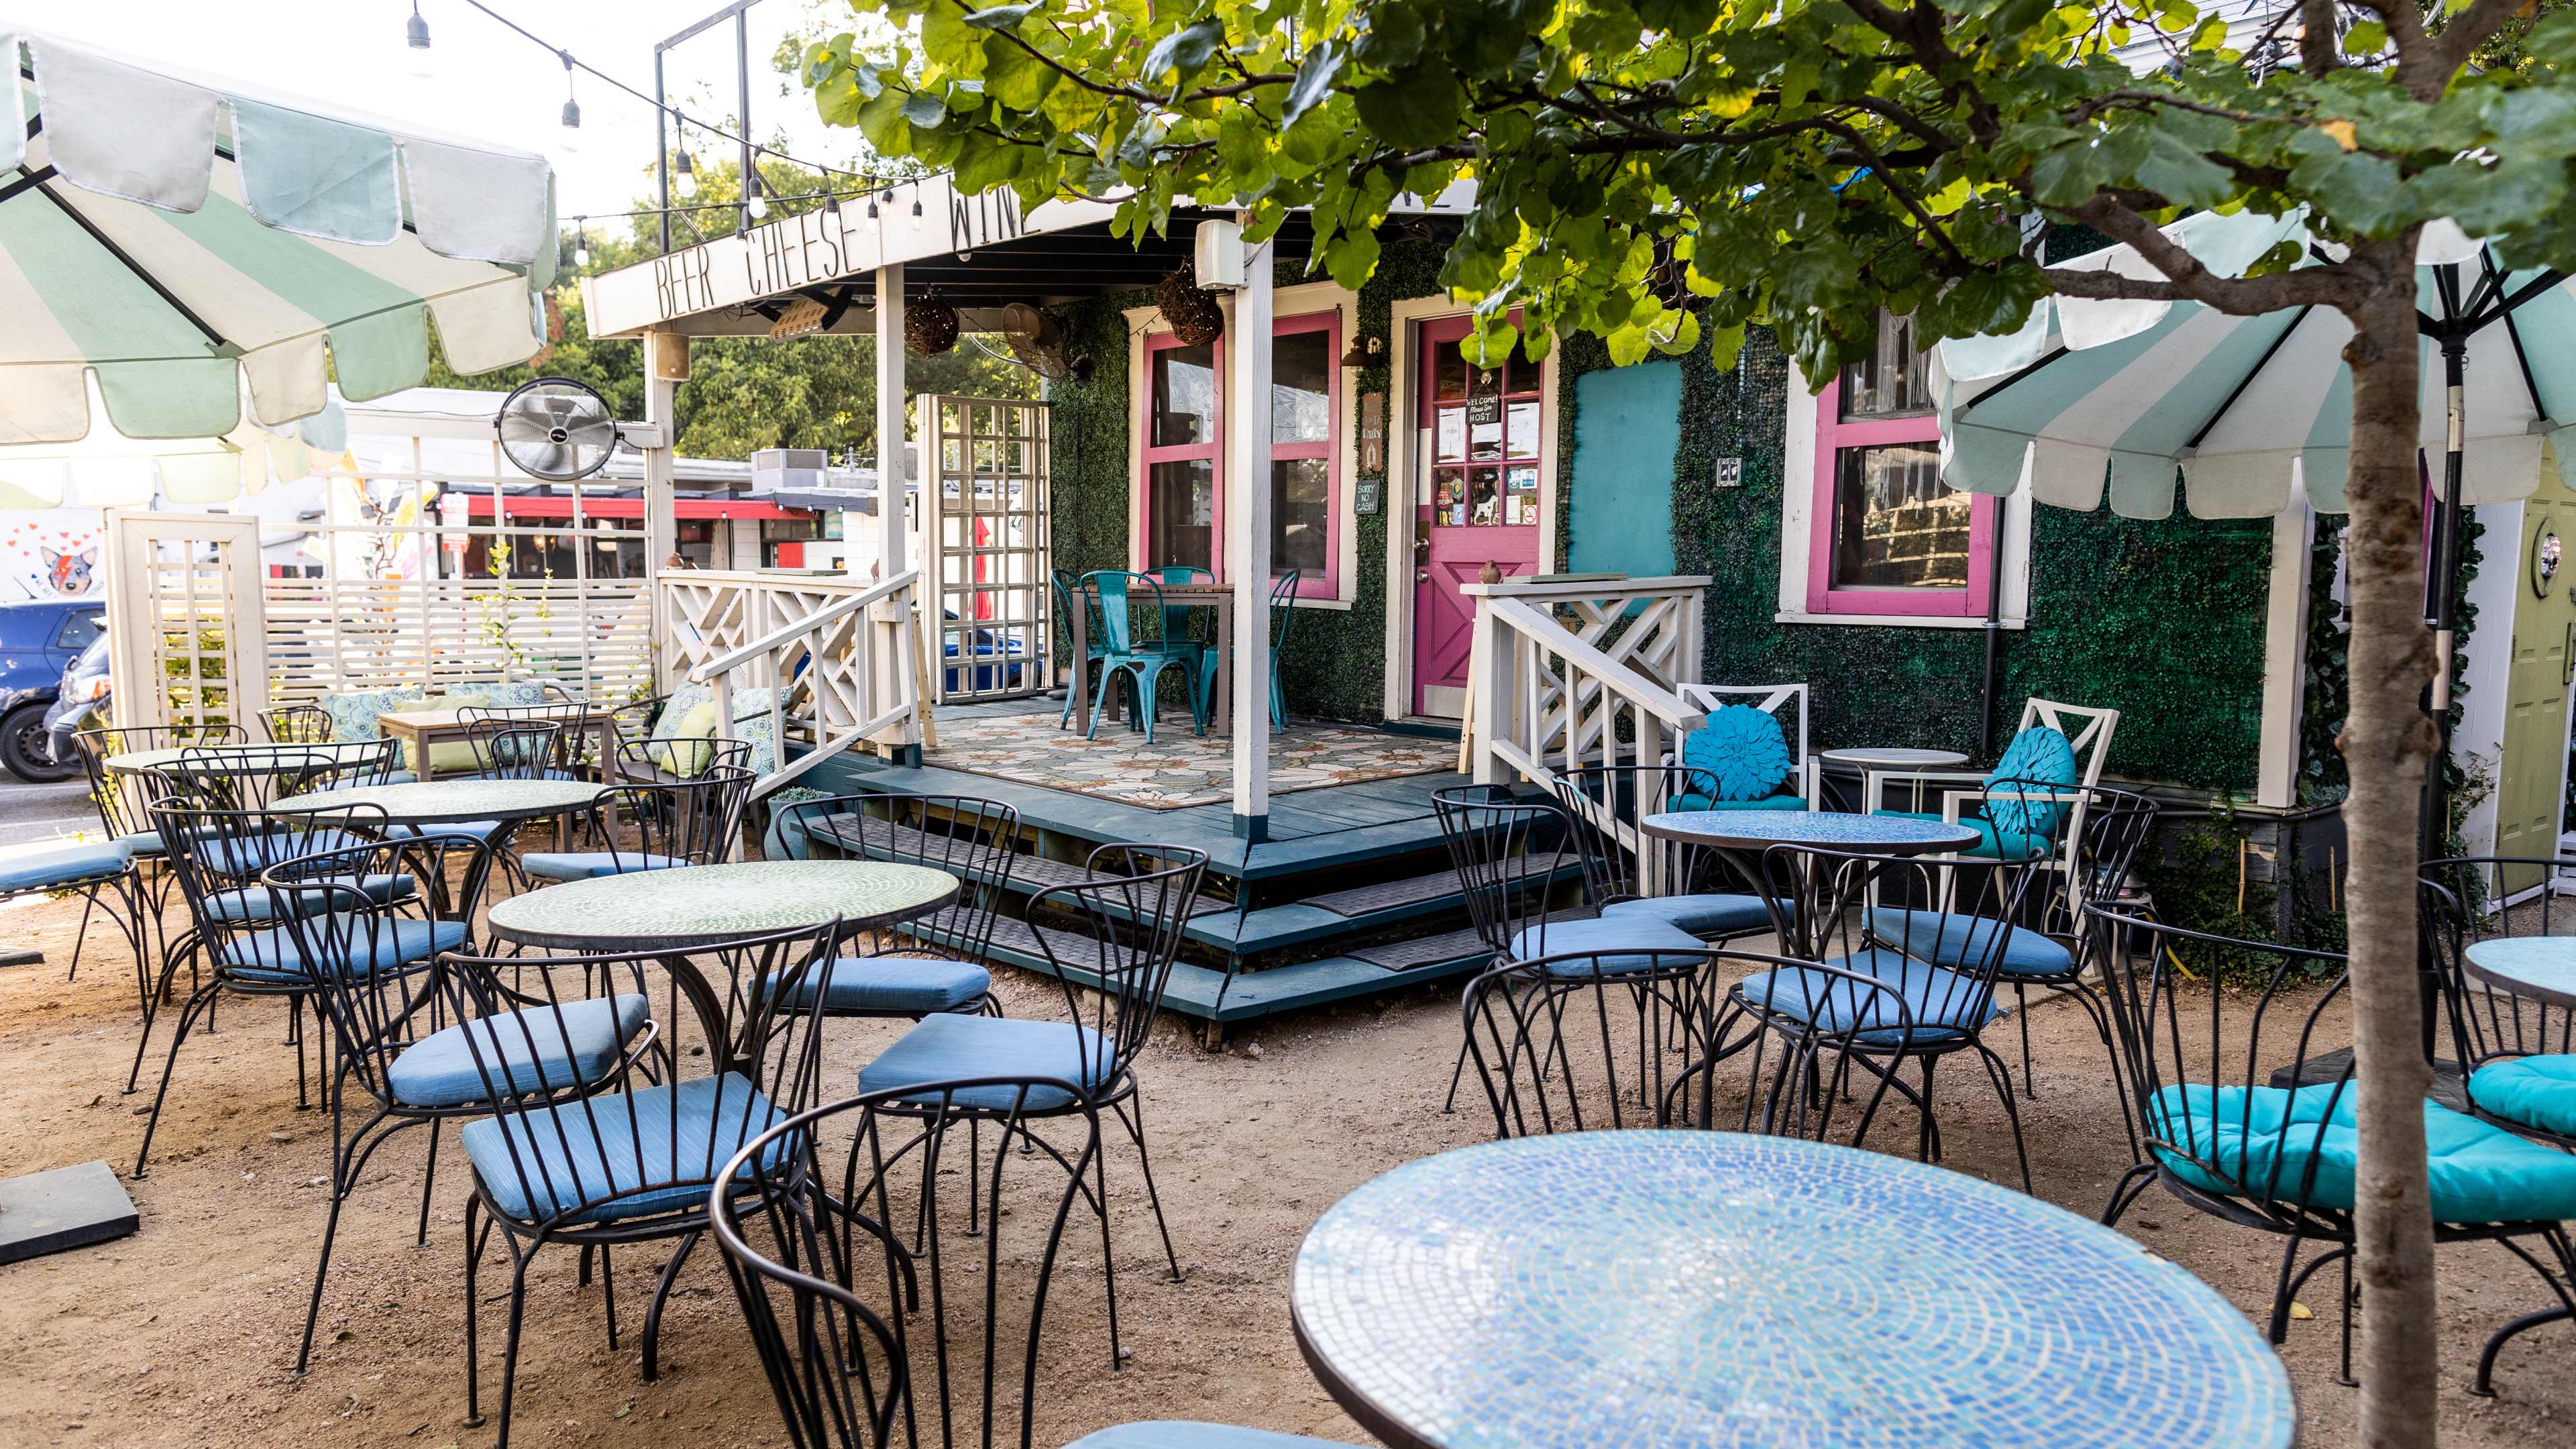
{"x": 1179, "y": 768}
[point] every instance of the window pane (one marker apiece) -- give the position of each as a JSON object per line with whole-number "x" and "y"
{"x": 1183, "y": 529}
{"x": 1301, "y": 512}
{"x": 1301, "y": 381}
{"x": 1185, "y": 395}
{"x": 1448, "y": 371}
{"x": 1523, "y": 419}
{"x": 1896, "y": 524}
{"x": 1484, "y": 496}
{"x": 1895, "y": 381}
{"x": 1520, "y": 484}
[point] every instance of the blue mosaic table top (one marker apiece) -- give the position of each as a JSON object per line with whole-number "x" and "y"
{"x": 1633, "y": 1289}
{"x": 1831, "y": 829}
{"x": 240, "y": 759}
{"x": 2540, "y": 967}
{"x": 692, "y": 905}
{"x": 440, "y": 801}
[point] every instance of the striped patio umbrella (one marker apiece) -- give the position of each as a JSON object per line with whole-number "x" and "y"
{"x": 199, "y": 247}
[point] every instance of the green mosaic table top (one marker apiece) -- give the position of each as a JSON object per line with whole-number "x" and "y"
{"x": 437, "y": 801}
{"x": 696, "y": 904}
{"x": 240, "y": 759}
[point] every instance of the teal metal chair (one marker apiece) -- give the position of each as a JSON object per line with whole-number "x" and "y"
{"x": 1140, "y": 662}
{"x": 1072, "y": 594}
{"x": 1283, "y": 608}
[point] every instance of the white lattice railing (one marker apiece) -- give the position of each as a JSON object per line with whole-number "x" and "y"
{"x": 1581, "y": 673}
{"x": 836, "y": 655}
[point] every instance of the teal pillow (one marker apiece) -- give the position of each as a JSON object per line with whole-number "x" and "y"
{"x": 1740, "y": 754}
{"x": 2039, "y": 756}
{"x": 353, "y": 713}
{"x": 521, "y": 695}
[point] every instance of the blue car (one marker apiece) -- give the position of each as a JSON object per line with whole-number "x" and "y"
{"x": 38, "y": 641}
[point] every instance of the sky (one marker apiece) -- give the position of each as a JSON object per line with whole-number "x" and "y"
{"x": 485, "y": 81}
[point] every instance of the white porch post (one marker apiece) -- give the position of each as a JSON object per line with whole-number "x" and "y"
{"x": 1247, "y": 539}
{"x": 897, "y": 631}
{"x": 661, "y": 509}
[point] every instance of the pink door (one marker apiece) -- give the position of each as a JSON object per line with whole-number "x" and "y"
{"x": 1479, "y": 504}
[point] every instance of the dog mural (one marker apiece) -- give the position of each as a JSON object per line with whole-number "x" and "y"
{"x": 72, "y": 573}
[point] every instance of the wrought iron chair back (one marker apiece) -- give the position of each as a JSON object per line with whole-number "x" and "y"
{"x": 252, "y": 777}
{"x": 820, "y": 1268}
{"x": 1784, "y": 1095}
{"x": 516, "y": 749}
{"x": 570, "y": 721}
{"x": 220, "y": 856}
{"x": 124, "y": 797}
{"x": 1605, "y": 805}
{"x": 969, "y": 837}
{"x": 1547, "y": 1036}
{"x": 693, "y": 822}
{"x": 1121, "y": 929}
{"x": 2462, "y": 902}
{"x": 682, "y": 759}
{"x": 296, "y": 724}
{"x": 1509, "y": 854}
{"x": 1875, "y": 908}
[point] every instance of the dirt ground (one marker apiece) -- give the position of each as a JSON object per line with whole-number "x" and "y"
{"x": 185, "y": 1333}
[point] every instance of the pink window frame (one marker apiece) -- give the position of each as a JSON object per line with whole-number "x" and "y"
{"x": 1328, "y": 322}
{"x": 1833, "y": 434}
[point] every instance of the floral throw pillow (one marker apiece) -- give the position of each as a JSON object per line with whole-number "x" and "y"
{"x": 1739, "y": 754}
{"x": 353, "y": 712}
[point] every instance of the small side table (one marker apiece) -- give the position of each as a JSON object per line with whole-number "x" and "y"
{"x": 1866, "y": 761}
{"x": 2540, "y": 967}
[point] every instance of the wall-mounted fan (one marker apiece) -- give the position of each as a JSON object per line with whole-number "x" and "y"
{"x": 556, "y": 429}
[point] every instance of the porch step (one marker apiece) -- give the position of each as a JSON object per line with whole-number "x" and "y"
{"x": 1362, "y": 911}
{"x": 1029, "y": 873}
{"x": 1192, "y": 991}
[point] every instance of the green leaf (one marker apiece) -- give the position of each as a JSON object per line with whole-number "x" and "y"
{"x": 1001, "y": 17}
{"x": 1413, "y": 108}
{"x": 882, "y": 121}
{"x": 1314, "y": 82}
{"x": 1014, "y": 78}
{"x": 1186, "y": 50}
{"x": 924, "y": 110}
{"x": 2182, "y": 175}
{"x": 1393, "y": 38}
{"x": 1352, "y": 257}
{"x": 2367, "y": 38}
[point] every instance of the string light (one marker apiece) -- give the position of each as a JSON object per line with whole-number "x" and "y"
{"x": 416, "y": 43}
{"x": 751, "y": 195}
{"x": 687, "y": 183}
{"x": 831, "y": 198}
{"x": 572, "y": 107}
{"x": 916, "y": 201}
{"x": 580, "y": 241}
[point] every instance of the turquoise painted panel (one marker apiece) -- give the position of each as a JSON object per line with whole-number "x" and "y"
{"x": 1627, "y": 427}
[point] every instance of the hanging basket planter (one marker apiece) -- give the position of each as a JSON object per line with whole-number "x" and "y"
{"x": 930, "y": 329}
{"x": 1190, "y": 309}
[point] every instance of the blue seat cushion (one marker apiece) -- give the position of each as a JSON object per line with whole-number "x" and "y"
{"x": 272, "y": 955}
{"x": 1700, "y": 915}
{"x": 1192, "y": 1434}
{"x": 2266, "y": 1138}
{"x": 949, "y": 1048}
{"x": 587, "y": 864}
{"x": 539, "y": 1050}
{"x": 1739, "y": 754}
{"x": 1992, "y": 844}
{"x": 1694, "y": 800}
{"x": 247, "y": 854}
{"x": 897, "y": 985}
{"x": 1965, "y": 943}
{"x": 141, "y": 842}
{"x": 1623, "y": 943}
{"x": 2534, "y": 1091}
{"x": 60, "y": 865}
{"x": 482, "y": 830}
{"x": 258, "y": 903}
{"x": 1941, "y": 1004}
{"x": 624, "y": 1154}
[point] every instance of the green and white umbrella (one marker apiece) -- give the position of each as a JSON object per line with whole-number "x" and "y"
{"x": 200, "y": 246}
{"x": 2241, "y": 408}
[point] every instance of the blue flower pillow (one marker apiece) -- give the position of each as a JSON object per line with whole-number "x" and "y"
{"x": 2041, "y": 757}
{"x": 1740, "y": 754}
{"x": 353, "y": 712}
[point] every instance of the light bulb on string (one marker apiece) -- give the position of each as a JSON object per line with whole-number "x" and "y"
{"x": 581, "y": 241}
{"x": 571, "y": 108}
{"x": 416, "y": 44}
{"x": 831, "y": 198}
{"x": 751, "y": 194}
{"x": 916, "y": 201}
{"x": 686, "y": 183}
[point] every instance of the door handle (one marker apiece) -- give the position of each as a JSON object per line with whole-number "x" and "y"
{"x": 1421, "y": 540}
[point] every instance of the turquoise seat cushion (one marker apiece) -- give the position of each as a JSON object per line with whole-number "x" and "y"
{"x": 2534, "y": 1091}
{"x": 250, "y": 853}
{"x": 141, "y": 842}
{"x": 619, "y": 1155}
{"x": 1940, "y": 1004}
{"x": 958, "y": 1048}
{"x": 897, "y": 985}
{"x": 1992, "y": 844}
{"x": 1739, "y": 754}
{"x": 2043, "y": 757}
{"x": 272, "y": 955}
{"x": 2267, "y": 1139}
{"x": 540, "y": 1050}
{"x": 258, "y": 903}
{"x": 1966, "y": 943}
{"x": 1700, "y": 915}
{"x": 482, "y": 830}
{"x": 587, "y": 864}
{"x": 60, "y": 865}
{"x": 1693, "y": 800}
{"x": 1620, "y": 944}
{"x": 1192, "y": 1434}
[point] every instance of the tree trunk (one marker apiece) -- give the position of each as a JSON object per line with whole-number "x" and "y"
{"x": 2386, "y": 742}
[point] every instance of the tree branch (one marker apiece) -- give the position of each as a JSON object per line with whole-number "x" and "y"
{"x": 2185, "y": 279}
{"x": 2461, "y": 35}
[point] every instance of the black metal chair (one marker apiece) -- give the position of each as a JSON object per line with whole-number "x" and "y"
{"x": 968, "y": 837}
{"x": 1117, "y": 933}
{"x": 663, "y": 761}
{"x": 396, "y": 1044}
{"x": 830, "y": 1291}
{"x": 727, "y": 1060}
{"x": 2244, "y": 1124}
{"x": 1847, "y": 1013}
{"x": 255, "y": 776}
{"x": 630, "y": 828}
{"x": 2517, "y": 1054}
{"x": 1629, "y": 873}
{"x": 526, "y": 742}
{"x": 1886, "y": 917}
{"x": 237, "y": 922}
{"x": 296, "y": 724}
{"x": 1547, "y": 1036}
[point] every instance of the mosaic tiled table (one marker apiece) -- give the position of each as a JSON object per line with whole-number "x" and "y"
{"x": 701, "y": 904}
{"x": 1620, "y": 1289}
{"x": 2540, "y": 967}
{"x": 241, "y": 759}
{"x": 444, "y": 802}
{"x": 1741, "y": 836}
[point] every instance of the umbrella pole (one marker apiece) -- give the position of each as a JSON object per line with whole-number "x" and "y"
{"x": 2444, "y": 566}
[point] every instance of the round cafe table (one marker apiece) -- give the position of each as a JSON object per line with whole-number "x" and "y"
{"x": 1741, "y": 836}
{"x": 698, "y": 905}
{"x": 1705, "y": 1289}
{"x": 237, "y": 759}
{"x": 2540, "y": 967}
{"x": 1867, "y": 760}
{"x": 446, "y": 802}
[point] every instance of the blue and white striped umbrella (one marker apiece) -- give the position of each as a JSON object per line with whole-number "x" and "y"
{"x": 2245, "y": 409}
{"x": 196, "y": 244}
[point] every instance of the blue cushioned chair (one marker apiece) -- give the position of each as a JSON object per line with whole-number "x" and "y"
{"x": 1118, "y": 930}
{"x": 2057, "y": 753}
{"x": 2519, "y": 1051}
{"x": 1549, "y": 1033}
{"x": 104, "y": 875}
{"x": 602, "y": 1162}
{"x": 970, "y": 838}
{"x": 1631, "y": 876}
{"x": 1137, "y": 661}
{"x": 630, "y": 828}
{"x": 1074, "y": 599}
{"x": 2261, "y": 1134}
{"x": 221, "y": 859}
{"x": 866, "y": 1383}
